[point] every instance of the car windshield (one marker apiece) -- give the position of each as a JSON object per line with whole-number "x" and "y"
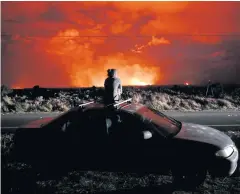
{"x": 164, "y": 124}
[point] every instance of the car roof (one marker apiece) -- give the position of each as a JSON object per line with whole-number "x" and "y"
{"x": 93, "y": 106}
{"x": 134, "y": 108}
{"x": 126, "y": 107}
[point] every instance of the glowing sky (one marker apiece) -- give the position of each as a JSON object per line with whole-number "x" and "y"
{"x": 62, "y": 44}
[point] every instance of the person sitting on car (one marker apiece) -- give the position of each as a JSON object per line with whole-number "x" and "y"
{"x": 113, "y": 87}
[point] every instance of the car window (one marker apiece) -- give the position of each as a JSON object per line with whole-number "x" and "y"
{"x": 165, "y": 125}
{"x": 57, "y": 121}
{"x": 66, "y": 123}
{"x": 94, "y": 123}
{"x": 125, "y": 126}
{"x": 88, "y": 123}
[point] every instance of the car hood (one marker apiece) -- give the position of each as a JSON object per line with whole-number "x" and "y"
{"x": 204, "y": 134}
{"x": 37, "y": 123}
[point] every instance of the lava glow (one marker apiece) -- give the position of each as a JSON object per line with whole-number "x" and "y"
{"x": 137, "y": 82}
{"x": 16, "y": 87}
{"x": 77, "y": 57}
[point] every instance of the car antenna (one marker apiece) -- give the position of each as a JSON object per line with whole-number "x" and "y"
{"x": 115, "y": 105}
{"x": 85, "y": 104}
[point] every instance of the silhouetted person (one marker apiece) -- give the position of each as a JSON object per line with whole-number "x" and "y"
{"x": 209, "y": 87}
{"x": 113, "y": 87}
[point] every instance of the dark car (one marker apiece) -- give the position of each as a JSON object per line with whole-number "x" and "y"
{"x": 128, "y": 137}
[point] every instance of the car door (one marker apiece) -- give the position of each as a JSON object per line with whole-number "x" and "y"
{"x": 56, "y": 137}
{"x": 128, "y": 147}
{"x": 88, "y": 140}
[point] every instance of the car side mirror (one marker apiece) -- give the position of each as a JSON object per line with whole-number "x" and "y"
{"x": 147, "y": 134}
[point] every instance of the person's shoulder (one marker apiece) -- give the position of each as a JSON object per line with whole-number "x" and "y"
{"x": 106, "y": 81}
{"x": 119, "y": 80}
{"x": 116, "y": 80}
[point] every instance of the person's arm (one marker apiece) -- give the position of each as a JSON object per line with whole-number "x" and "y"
{"x": 120, "y": 86}
{"x": 105, "y": 83}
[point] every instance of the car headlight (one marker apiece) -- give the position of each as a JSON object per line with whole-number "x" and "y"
{"x": 226, "y": 152}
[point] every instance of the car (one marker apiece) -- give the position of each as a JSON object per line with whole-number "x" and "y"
{"x": 127, "y": 137}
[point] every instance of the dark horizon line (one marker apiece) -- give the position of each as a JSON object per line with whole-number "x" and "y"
{"x": 154, "y": 85}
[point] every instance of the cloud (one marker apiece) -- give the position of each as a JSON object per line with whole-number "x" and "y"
{"x": 154, "y": 42}
{"x": 157, "y": 41}
{"x": 155, "y": 7}
{"x": 119, "y": 27}
{"x": 218, "y": 54}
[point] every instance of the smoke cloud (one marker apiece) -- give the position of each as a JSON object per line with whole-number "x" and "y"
{"x": 72, "y": 44}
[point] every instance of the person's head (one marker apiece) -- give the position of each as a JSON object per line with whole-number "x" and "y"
{"x": 112, "y": 72}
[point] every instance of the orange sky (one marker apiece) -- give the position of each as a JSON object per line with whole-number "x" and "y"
{"x": 62, "y": 44}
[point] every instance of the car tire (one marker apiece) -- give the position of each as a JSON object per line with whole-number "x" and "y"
{"x": 190, "y": 180}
